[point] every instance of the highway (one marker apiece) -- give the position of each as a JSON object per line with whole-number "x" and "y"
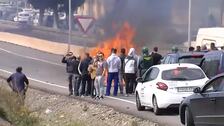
{"x": 47, "y": 73}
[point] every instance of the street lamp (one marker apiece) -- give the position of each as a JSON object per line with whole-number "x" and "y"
{"x": 189, "y": 23}
{"x": 69, "y": 25}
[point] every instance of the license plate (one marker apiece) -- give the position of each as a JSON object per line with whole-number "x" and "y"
{"x": 185, "y": 89}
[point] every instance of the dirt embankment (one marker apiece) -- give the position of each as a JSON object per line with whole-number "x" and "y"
{"x": 57, "y": 110}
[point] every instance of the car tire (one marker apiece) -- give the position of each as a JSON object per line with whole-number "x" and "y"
{"x": 188, "y": 118}
{"x": 156, "y": 109}
{"x": 138, "y": 103}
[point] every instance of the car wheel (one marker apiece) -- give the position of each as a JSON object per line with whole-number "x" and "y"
{"x": 188, "y": 118}
{"x": 156, "y": 109}
{"x": 138, "y": 103}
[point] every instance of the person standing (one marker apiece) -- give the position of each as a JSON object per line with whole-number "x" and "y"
{"x": 213, "y": 47}
{"x": 121, "y": 72}
{"x": 19, "y": 83}
{"x": 100, "y": 76}
{"x": 114, "y": 65}
{"x": 69, "y": 60}
{"x": 92, "y": 70}
{"x": 130, "y": 70}
{"x": 145, "y": 62}
{"x": 198, "y": 49}
{"x": 86, "y": 79}
{"x": 156, "y": 56}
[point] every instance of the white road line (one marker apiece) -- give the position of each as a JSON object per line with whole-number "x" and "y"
{"x": 42, "y": 82}
{"x": 63, "y": 87}
{"x": 28, "y": 57}
{"x": 121, "y": 100}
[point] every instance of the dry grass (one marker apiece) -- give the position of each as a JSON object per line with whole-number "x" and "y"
{"x": 13, "y": 110}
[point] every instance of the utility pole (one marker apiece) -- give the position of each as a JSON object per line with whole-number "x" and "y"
{"x": 189, "y": 23}
{"x": 70, "y": 25}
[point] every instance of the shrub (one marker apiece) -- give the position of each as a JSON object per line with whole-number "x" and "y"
{"x": 13, "y": 110}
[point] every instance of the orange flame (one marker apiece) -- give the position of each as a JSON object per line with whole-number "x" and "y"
{"x": 123, "y": 39}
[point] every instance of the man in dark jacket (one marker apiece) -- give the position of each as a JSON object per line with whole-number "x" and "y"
{"x": 71, "y": 68}
{"x": 86, "y": 78}
{"x": 19, "y": 82}
{"x": 156, "y": 56}
{"x": 121, "y": 72}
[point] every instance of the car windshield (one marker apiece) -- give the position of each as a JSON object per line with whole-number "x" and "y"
{"x": 183, "y": 74}
{"x": 193, "y": 60}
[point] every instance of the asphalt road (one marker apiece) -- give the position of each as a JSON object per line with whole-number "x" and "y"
{"x": 47, "y": 73}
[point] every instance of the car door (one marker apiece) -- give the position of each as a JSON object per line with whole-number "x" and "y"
{"x": 143, "y": 85}
{"x": 203, "y": 107}
{"x": 218, "y": 118}
{"x": 150, "y": 81}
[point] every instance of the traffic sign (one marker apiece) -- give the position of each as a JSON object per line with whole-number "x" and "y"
{"x": 85, "y": 22}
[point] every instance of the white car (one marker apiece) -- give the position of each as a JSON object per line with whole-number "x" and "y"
{"x": 165, "y": 86}
{"x": 23, "y": 17}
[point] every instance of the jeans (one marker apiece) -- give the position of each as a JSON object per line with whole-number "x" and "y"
{"x": 111, "y": 77}
{"x": 130, "y": 82}
{"x": 70, "y": 83}
{"x": 86, "y": 85}
{"x": 99, "y": 85}
{"x": 76, "y": 82}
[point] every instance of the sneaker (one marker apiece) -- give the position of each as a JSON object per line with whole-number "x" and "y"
{"x": 101, "y": 97}
{"x": 127, "y": 95}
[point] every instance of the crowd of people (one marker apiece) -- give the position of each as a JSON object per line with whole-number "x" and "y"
{"x": 88, "y": 76}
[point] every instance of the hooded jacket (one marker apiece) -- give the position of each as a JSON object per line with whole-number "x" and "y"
{"x": 130, "y": 63}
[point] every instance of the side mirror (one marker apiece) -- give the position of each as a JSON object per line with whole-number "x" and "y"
{"x": 197, "y": 90}
{"x": 139, "y": 79}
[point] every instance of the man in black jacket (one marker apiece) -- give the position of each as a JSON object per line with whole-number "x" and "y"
{"x": 72, "y": 70}
{"x": 86, "y": 79}
{"x": 19, "y": 82}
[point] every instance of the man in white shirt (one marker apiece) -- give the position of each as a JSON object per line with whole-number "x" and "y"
{"x": 114, "y": 65}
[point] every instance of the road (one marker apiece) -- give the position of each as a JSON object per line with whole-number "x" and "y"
{"x": 47, "y": 73}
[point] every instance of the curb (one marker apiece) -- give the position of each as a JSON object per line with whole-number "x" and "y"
{"x": 40, "y": 44}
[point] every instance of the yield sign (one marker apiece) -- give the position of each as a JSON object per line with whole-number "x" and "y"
{"x": 85, "y": 22}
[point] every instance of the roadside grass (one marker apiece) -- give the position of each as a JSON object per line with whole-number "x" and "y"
{"x": 76, "y": 124}
{"x": 13, "y": 110}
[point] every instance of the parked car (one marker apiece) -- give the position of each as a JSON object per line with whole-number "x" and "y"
{"x": 213, "y": 63}
{"x": 165, "y": 86}
{"x": 205, "y": 106}
{"x": 23, "y": 17}
{"x": 189, "y": 57}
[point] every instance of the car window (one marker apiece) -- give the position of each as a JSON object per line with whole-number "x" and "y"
{"x": 167, "y": 60}
{"x": 211, "y": 66}
{"x": 192, "y": 60}
{"x": 151, "y": 74}
{"x": 183, "y": 74}
{"x": 215, "y": 86}
{"x": 172, "y": 60}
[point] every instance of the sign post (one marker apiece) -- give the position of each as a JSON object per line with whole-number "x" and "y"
{"x": 85, "y": 23}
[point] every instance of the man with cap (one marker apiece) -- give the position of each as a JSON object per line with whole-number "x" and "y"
{"x": 145, "y": 62}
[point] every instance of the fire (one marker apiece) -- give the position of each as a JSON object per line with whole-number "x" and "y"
{"x": 123, "y": 39}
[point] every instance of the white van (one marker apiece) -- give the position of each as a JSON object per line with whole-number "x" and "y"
{"x": 206, "y": 36}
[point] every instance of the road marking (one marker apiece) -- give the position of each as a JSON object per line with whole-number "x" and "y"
{"x": 121, "y": 100}
{"x": 45, "y": 83}
{"x": 28, "y": 57}
{"x": 63, "y": 87}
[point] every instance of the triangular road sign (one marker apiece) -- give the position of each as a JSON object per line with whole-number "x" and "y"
{"x": 85, "y": 22}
